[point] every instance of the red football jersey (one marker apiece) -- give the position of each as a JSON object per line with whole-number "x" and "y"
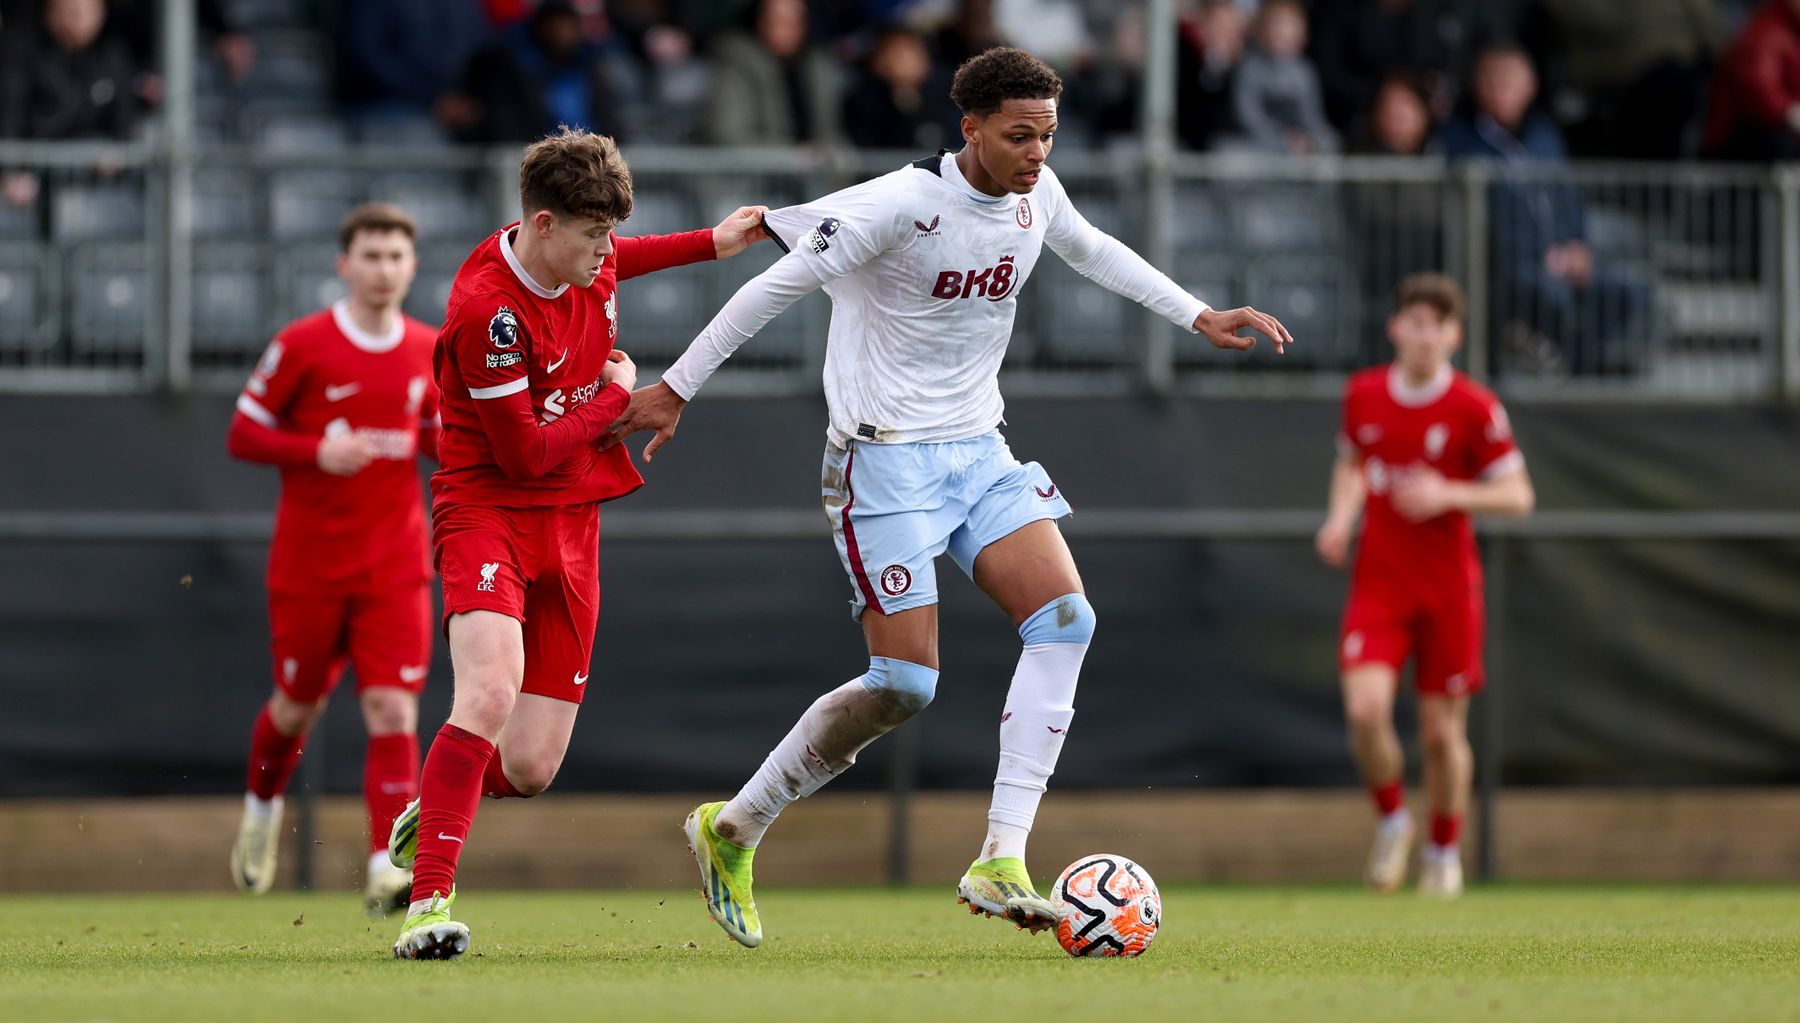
{"x": 504, "y": 333}
{"x": 323, "y": 376}
{"x": 1453, "y": 425}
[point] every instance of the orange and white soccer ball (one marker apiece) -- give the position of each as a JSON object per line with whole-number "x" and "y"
{"x": 1106, "y": 905}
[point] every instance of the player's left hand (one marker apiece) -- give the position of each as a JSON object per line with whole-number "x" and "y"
{"x": 1421, "y": 494}
{"x": 1221, "y": 326}
{"x": 739, "y": 231}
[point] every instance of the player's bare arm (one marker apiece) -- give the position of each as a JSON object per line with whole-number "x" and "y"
{"x": 1221, "y": 326}
{"x": 1425, "y": 494}
{"x": 1348, "y": 489}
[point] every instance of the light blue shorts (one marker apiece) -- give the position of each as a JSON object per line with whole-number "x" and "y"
{"x": 895, "y": 507}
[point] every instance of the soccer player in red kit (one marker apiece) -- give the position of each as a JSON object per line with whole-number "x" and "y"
{"x": 1422, "y": 448}
{"x": 342, "y": 401}
{"x": 530, "y": 382}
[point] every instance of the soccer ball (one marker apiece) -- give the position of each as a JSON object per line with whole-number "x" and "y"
{"x": 1106, "y": 905}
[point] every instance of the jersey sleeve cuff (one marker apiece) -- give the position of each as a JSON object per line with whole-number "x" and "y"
{"x": 500, "y": 390}
{"x": 1514, "y": 459}
{"x": 254, "y": 409}
{"x": 1195, "y": 308}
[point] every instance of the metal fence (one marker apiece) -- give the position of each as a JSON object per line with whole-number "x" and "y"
{"x": 1684, "y": 298}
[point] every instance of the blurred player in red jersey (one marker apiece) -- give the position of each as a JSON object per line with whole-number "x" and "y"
{"x": 342, "y": 401}
{"x": 1422, "y": 448}
{"x": 531, "y": 382}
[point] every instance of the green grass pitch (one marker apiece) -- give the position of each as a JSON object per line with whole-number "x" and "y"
{"x": 1637, "y": 954}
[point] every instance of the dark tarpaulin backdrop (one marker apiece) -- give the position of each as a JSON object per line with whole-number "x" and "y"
{"x": 1626, "y": 662}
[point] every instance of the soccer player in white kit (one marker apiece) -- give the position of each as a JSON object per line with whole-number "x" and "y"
{"x": 923, "y": 266}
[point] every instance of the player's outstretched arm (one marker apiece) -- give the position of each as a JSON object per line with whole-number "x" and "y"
{"x": 644, "y": 254}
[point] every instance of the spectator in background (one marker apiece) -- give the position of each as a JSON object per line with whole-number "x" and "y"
{"x": 64, "y": 80}
{"x": 771, "y": 86}
{"x": 1211, "y": 45}
{"x": 890, "y": 107}
{"x": 1398, "y": 123}
{"x": 1276, "y": 93}
{"x": 1548, "y": 287}
{"x": 969, "y": 32}
{"x": 1755, "y": 110}
{"x": 544, "y": 72}
{"x": 399, "y": 61}
{"x": 1631, "y": 78}
{"x": 1357, "y": 44}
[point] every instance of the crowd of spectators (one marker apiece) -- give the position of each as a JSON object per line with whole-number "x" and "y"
{"x": 1658, "y": 79}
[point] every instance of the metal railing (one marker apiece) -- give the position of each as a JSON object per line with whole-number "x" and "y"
{"x": 1685, "y": 299}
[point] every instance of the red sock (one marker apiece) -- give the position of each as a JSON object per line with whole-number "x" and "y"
{"x": 1446, "y": 828}
{"x": 273, "y": 757}
{"x": 494, "y": 784}
{"x": 390, "y": 781}
{"x": 1388, "y": 797}
{"x": 449, "y": 791}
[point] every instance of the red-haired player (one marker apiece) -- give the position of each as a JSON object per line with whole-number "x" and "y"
{"x": 1422, "y": 448}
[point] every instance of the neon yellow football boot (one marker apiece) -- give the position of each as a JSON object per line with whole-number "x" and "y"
{"x": 724, "y": 876}
{"x": 1001, "y": 888}
{"x": 430, "y": 933}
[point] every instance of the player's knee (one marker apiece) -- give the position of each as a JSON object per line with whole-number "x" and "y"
{"x": 388, "y": 710}
{"x": 533, "y": 775}
{"x": 902, "y": 687}
{"x": 292, "y": 717}
{"x": 487, "y": 707}
{"x": 1365, "y": 712}
{"x": 1067, "y": 619}
{"x": 1441, "y": 739}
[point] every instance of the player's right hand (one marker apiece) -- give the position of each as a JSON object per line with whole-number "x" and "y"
{"x": 1221, "y": 326}
{"x": 1333, "y": 543}
{"x": 345, "y": 455}
{"x": 619, "y": 369}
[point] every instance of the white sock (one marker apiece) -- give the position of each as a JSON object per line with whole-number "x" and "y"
{"x": 379, "y": 863}
{"x": 262, "y": 810}
{"x": 1442, "y": 853}
{"x": 1039, "y": 706}
{"x": 821, "y": 745}
{"x": 1395, "y": 822}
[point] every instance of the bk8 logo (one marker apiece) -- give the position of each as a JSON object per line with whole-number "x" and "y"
{"x": 993, "y": 284}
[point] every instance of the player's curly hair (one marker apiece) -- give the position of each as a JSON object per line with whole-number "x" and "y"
{"x": 576, "y": 173}
{"x": 992, "y": 77}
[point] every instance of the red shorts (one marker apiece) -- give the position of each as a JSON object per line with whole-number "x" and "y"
{"x": 1386, "y": 625}
{"x": 539, "y": 565}
{"x": 386, "y": 636}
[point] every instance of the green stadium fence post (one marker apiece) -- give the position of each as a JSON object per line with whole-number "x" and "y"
{"x": 1787, "y": 204}
{"x": 170, "y": 362}
{"x": 1158, "y": 114}
{"x": 1490, "y": 746}
{"x": 1474, "y": 229}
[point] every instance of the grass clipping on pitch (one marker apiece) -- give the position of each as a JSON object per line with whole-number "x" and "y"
{"x": 1239, "y": 954}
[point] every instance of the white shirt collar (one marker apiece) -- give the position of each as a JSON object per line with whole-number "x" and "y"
{"x": 1405, "y": 394}
{"x": 374, "y": 343}
{"x": 518, "y": 268}
{"x": 953, "y": 174}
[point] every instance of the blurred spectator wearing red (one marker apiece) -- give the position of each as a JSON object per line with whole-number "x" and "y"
{"x": 1755, "y": 112}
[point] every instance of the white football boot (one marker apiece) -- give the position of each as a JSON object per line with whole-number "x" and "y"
{"x": 1440, "y": 872}
{"x": 1389, "y": 852}
{"x": 388, "y": 888}
{"x": 253, "y": 854}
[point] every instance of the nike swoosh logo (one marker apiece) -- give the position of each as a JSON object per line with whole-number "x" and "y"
{"x": 449, "y": 838}
{"x": 1055, "y": 729}
{"x": 341, "y": 391}
{"x": 551, "y": 367}
{"x": 411, "y": 673}
{"x": 580, "y": 679}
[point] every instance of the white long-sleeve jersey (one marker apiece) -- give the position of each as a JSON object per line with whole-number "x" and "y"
{"x": 924, "y": 273}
